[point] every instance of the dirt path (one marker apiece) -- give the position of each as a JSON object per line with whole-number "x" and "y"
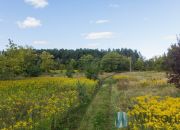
{"x": 100, "y": 115}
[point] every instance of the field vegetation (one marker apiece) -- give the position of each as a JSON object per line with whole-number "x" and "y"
{"x": 38, "y": 103}
{"x": 149, "y": 100}
{"x": 84, "y": 89}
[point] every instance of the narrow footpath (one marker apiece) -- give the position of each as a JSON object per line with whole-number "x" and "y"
{"x": 100, "y": 113}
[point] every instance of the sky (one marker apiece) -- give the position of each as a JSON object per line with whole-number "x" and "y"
{"x": 149, "y": 26}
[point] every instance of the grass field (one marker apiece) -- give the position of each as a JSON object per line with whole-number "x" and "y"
{"x": 58, "y": 103}
{"x": 41, "y": 103}
{"x": 147, "y": 93}
{"x": 127, "y": 92}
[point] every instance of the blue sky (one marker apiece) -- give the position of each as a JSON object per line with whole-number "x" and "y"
{"x": 150, "y": 26}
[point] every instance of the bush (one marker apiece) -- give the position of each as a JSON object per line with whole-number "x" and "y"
{"x": 173, "y": 62}
{"x": 33, "y": 71}
{"x": 82, "y": 94}
{"x": 69, "y": 73}
{"x": 92, "y": 71}
{"x": 114, "y": 62}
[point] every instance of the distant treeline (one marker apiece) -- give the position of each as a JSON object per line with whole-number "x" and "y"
{"x": 27, "y": 61}
{"x": 64, "y": 56}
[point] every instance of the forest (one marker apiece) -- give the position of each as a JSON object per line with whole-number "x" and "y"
{"x": 18, "y": 61}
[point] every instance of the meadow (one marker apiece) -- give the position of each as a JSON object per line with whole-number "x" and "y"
{"x": 60, "y": 103}
{"x": 151, "y": 103}
{"x": 38, "y": 103}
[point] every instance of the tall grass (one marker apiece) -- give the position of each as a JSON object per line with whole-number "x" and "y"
{"x": 39, "y": 103}
{"x": 130, "y": 86}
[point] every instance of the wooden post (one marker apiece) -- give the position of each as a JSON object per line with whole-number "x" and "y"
{"x": 130, "y": 64}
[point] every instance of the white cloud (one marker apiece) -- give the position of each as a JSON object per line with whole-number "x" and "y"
{"x": 29, "y": 22}
{"x": 99, "y": 35}
{"x": 37, "y": 3}
{"x": 40, "y": 42}
{"x": 102, "y": 21}
{"x": 114, "y": 5}
{"x": 170, "y": 37}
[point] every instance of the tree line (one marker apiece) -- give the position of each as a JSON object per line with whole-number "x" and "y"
{"x": 64, "y": 56}
{"x": 23, "y": 61}
{"x": 27, "y": 61}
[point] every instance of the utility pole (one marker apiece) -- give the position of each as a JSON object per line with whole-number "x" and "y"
{"x": 130, "y": 64}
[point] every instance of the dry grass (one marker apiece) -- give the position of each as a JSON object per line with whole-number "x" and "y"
{"x": 146, "y": 83}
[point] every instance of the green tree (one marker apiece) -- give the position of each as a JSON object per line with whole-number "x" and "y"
{"x": 10, "y": 62}
{"x": 173, "y": 63}
{"x": 159, "y": 63}
{"x": 47, "y": 61}
{"x": 113, "y": 61}
{"x": 31, "y": 63}
{"x": 85, "y": 60}
{"x": 92, "y": 70}
{"x": 5, "y": 72}
{"x": 156, "y": 63}
{"x": 14, "y": 59}
{"x": 139, "y": 65}
{"x": 18, "y": 60}
{"x": 70, "y": 68}
{"x": 73, "y": 63}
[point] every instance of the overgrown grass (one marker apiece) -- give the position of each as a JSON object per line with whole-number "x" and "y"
{"x": 146, "y": 83}
{"x": 113, "y": 96}
{"x": 99, "y": 115}
{"x": 40, "y": 103}
{"x": 116, "y": 96}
